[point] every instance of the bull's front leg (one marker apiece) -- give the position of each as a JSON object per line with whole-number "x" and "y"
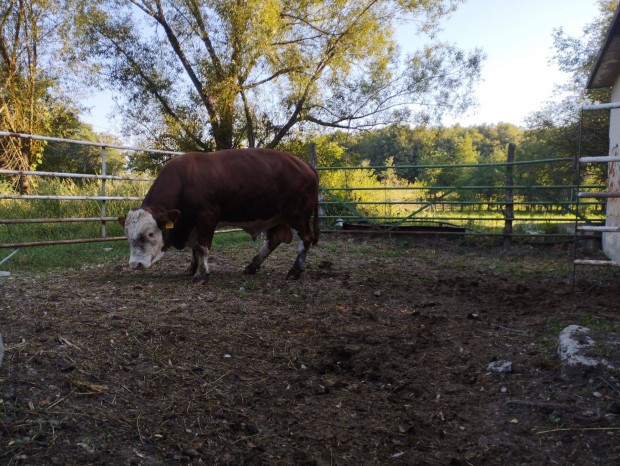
{"x": 200, "y": 250}
{"x": 200, "y": 261}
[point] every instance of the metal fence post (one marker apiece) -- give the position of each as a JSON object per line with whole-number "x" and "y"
{"x": 509, "y": 214}
{"x": 314, "y": 161}
{"x": 103, "y": 183}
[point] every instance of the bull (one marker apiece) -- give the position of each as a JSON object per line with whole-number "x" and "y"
{"x": 257, "y": 190}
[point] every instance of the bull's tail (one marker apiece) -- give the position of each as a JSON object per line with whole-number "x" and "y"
{"x": 316, "y": 226}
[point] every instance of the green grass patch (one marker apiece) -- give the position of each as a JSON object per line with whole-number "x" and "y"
{"x": 70, "y": 256}
{"x": 41, "y": 259}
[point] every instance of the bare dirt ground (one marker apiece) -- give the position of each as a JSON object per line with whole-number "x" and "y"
{"x": 378, "y": 355}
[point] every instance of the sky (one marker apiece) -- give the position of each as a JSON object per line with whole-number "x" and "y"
{"x": 516, "y": 36}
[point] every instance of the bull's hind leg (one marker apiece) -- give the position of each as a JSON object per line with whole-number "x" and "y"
{"x": 302, "y": 251}
{"x": 275, "y": 236}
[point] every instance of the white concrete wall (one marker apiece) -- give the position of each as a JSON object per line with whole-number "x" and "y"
{"x": 611, "y": 241}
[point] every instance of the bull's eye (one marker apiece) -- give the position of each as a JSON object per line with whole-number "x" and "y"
{"x": 151, "y": 235}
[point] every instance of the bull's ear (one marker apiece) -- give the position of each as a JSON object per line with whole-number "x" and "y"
{"x": 170, "y": 218}
{"x": 121, "y": 220}
{"x": 173, "y": 215}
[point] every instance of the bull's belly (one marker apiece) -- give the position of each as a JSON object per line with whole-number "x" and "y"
{"x": 252, "y": 227}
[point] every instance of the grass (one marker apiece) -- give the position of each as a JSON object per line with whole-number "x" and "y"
{"x": 43, "y": 259}
{"x": 72, "y": 256}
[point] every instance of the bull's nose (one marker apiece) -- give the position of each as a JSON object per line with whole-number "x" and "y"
{"x": 136, "y": 265}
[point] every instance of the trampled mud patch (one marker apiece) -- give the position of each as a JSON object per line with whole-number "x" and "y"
{"x": 378, "y": 355}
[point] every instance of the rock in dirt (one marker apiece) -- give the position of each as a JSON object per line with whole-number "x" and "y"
{"x": 500, "y": 367}
{"x": 581, "y": 353}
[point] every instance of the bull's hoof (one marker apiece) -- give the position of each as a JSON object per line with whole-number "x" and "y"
{"x": 190, "y": 271}
{"x": 293, "y": 274}
{"x": 251, "y": 269}
{"x": 201, "y": 279}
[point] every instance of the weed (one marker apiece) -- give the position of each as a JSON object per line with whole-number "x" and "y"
{"x": 293, "y": 296}
{"x": 588, "y": 321}
{"x": 250, "y": 285}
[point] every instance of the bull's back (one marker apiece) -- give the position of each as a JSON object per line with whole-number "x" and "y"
{"x": 247, "y": 165}
{"x": 241, "y": 184}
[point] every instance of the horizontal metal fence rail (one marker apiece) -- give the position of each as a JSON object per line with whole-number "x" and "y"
{"x": 18, "y": 221}
{"x": 68, "y": 198}
{"x": 86, "y": 143}
{"x": 73, "y": 175}
{"x": 395, "y": 218}
{"x": 81, "y": 241}
{"x": 456, "y": 203}
{"x": 30, "y": 244}
{"x": 456, "y": 165}
{"x": 101, "y": 199}
{"x": 445, "y": 188}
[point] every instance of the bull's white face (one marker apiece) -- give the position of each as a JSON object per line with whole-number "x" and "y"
{"x": 145, "y": 239}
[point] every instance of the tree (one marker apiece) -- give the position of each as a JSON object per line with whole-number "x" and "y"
{"x": 29, "y": 98}
{"x": 219, "y": 74}
{"x": 21, "y": 85}
{"x": 399, "y": 142}
{"x": 554, "y": 131}
{"x": 75, "y": 158}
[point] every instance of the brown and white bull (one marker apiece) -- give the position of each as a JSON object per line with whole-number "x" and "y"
{"x": 258, "y": 190}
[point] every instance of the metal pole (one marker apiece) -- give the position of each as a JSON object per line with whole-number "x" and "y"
{"x": 577, "y": 167}
{"x": 9, "y": 256}
{"x": 314, "y": 161}
{"x": 103, "y": 183}
{"x": 509, "y": 215}
{"x": 607, "y": 106}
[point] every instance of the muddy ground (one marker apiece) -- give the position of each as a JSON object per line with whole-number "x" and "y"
{"x": 378, "y": 355}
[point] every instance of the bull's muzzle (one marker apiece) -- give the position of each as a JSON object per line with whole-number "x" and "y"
{"x": 135, "y": 265}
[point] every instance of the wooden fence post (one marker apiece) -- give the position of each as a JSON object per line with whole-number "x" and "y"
{"x": 509, "y": 212}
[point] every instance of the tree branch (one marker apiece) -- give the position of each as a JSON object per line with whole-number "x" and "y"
{"x": 194, "y": 9}
{"x": 178, "y": 50}
{"x": 328, "y": 56}
{"x": 153, "y": 90}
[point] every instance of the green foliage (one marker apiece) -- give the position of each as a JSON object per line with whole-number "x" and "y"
{"x": 577, "y": 56}
{"x": 555, "y": 129}
{"x": 74, "y": 158}
{"x": 37, "y": 209}
{"x": 214, "y": 75}
{"x": 398, "y": 142}
{"x": 31, "y": 100}
{"x": 436, "y": 155}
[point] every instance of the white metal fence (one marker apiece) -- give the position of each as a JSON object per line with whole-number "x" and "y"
{"x": 102, "y": 198}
